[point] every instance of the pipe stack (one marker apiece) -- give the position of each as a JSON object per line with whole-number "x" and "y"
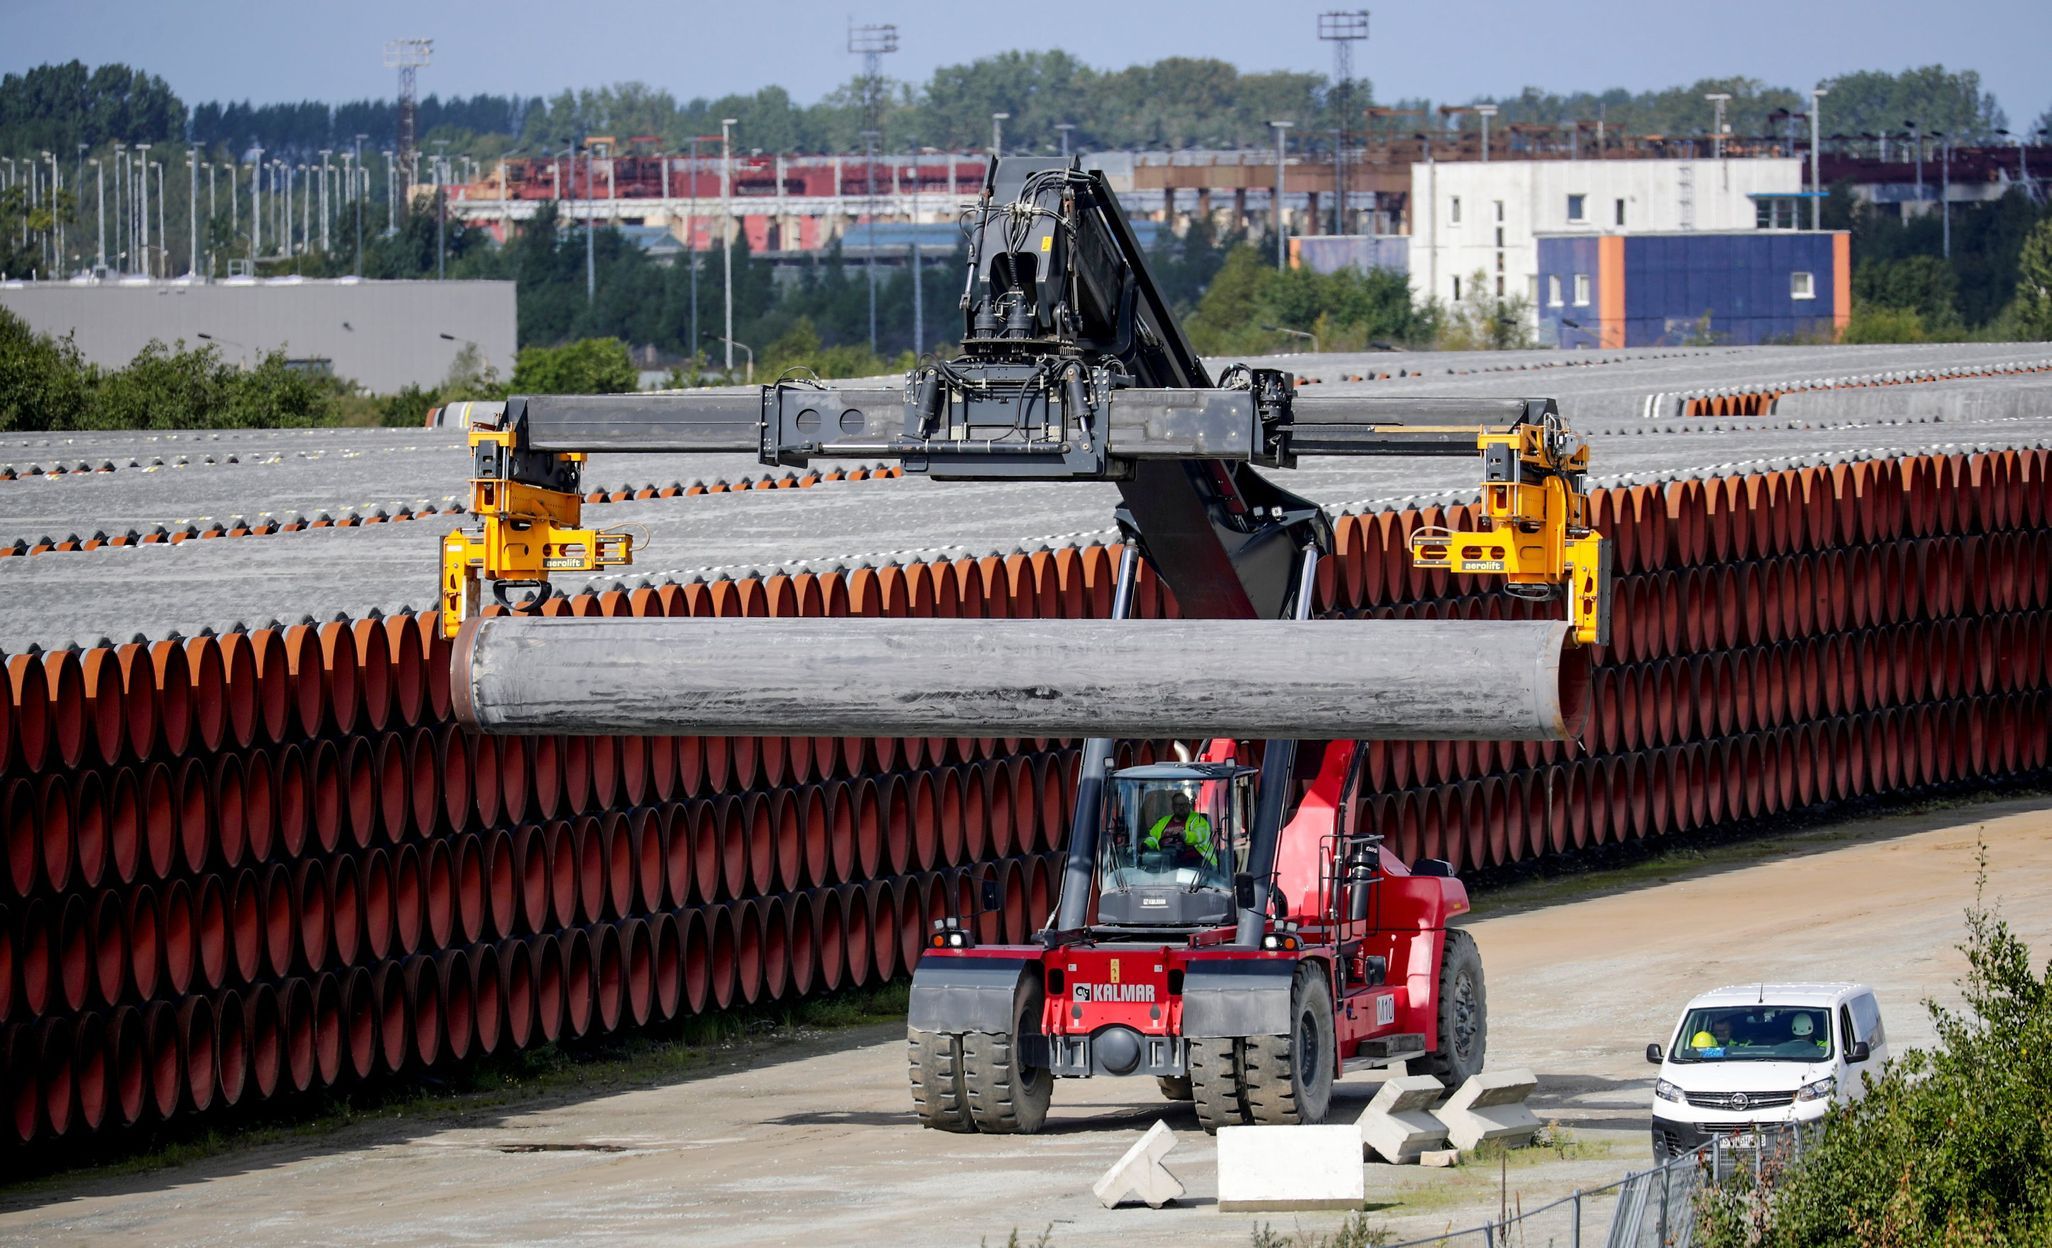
{"x": 241, "y": 867}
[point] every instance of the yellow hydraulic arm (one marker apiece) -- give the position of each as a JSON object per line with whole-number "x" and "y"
{"x": 528, "y": 510}
{"x": 1535, "y": 527}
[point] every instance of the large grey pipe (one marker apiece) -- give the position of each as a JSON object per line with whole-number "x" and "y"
{"x": 1339, "y": 679}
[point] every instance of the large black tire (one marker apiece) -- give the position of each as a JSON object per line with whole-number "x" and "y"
{"x": 1288, "y": 1079}
{"x": 1176, "y": 1089}
{"x": 1215, "y": 1084}
{"x": 1463, "y": 1006}
{"x": 937, "y": 1094}
{"x": 1007, "y": 1096}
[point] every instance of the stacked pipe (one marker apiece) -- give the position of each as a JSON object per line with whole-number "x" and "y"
{"x": 245, "y": 866}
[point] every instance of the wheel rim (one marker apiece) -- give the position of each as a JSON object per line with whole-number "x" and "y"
{"x": 1308, "y": 1043}
{"x": 1030, "y": 1076}
{"x": 1466, "y": 1017}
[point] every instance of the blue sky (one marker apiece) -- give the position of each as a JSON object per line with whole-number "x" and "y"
{"x": 1447, "y": 50}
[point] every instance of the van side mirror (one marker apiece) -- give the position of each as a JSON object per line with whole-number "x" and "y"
{"x": 1858, "y": 1051}
{"x": 1243, "y": 890}
{"x": 1653, "y": 1054}
{"x": 992, "y": 900}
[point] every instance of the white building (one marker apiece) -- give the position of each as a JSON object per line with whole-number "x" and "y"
{"x": 1482, "y": 217}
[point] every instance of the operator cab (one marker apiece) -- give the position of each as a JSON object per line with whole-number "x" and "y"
{"x": 1174, "y": 834}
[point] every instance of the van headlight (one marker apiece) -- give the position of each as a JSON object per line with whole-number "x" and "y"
{"x": 1669, "y": 1092}
{"x": 1818, "y": 1091}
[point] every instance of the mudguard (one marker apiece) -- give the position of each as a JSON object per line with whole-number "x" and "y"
{"x": 957, "y": 992}
{"x": 1237, "y": 997}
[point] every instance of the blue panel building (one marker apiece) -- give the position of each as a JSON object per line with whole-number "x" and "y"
{"x": 1643, "y": 290}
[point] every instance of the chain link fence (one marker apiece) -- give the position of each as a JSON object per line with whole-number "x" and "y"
{"x": 1651, "y": 1208}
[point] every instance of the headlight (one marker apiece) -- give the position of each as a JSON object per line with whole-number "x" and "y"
{"x": 1820, "y": 1090}
{"x": 1669, "y": 1092}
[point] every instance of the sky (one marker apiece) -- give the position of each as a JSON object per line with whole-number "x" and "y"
{"x": 1446, "y": 50}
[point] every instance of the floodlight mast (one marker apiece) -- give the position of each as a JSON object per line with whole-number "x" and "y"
{"x": 1342, "y": 30}
{"x": 871, "y": 43}
{"x": 408, "y": 56}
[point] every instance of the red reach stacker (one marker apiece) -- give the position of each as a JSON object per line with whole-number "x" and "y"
{"x": 1227, "y": 924}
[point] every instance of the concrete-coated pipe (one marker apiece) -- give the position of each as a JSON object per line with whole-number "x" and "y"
{"x": 488, "y": 999}
{"x": 609, "y": 976}
{"x": 666, "y": 965}
{"x": 1071, "y": 678}
{"x": 264, "y": 1023}
{"x": 361, "y": 1023}
{"x": 579, "y": 977}
{"x": 517, "y": 991}
{"x": 300, "y": 1010}
{"x": 459, "y": 1003}
{"x": 440, "y": 902}
{"x": 394, "y": 1024}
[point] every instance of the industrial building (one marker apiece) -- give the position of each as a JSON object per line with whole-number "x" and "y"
{"x": 1485, "y": 217}
{"x": 383, "y": 336}
{"x": 1674, "y": 289}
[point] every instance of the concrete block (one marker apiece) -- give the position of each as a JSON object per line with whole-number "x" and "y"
{"x": 1140, "y": 1173}
{"x": 1398, "y": 1123}
{"x": 1284, "y": 1168}
{"x": 1441, "y": 1158}
{"x": 1490, "y": 1106}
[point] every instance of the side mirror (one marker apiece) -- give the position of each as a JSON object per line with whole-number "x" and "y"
{"x": 992, "y": 901}
{"x": 1858, "y": 1051}
{"x": 1653, "y": 1054}
{"x": 1243, "y": 890}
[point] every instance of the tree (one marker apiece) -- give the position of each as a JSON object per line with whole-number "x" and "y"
{"x": 587, "y": 366}
{"x": 1949, "y": 1145}
{"x": 1925, "y": 285}
{"x": 44, "y": 382}
{"x": 2034, "y": 284}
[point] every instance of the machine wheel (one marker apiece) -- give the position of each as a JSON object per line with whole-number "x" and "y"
{"x": 1288, "y": 1079}
{"x": 1463, "y": 1013}
{"x": 1006, "y": 1095}
{"x": 1176, "y": 1089}
{"x": 937, "y": 1094}
{"x": 1215, "y": 1084}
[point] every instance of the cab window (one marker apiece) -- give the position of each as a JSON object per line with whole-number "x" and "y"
{"x": 1866, "y": 1020}
{"x": 1754, "y": 1033}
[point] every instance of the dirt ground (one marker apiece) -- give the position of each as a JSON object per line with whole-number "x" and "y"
{"x": 813, "y": 1144}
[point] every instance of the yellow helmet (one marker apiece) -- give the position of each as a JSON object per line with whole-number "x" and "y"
{"x": 1702, "y": 1040}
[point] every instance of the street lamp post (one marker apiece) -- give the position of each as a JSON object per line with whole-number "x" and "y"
{"x": 1817, "y": 94}
{"x": 869, "y": 138}
{"x": 1945, "y": 190}
{"x": 997, "y": 133}
{"x": 325, "y": 214}
{"x": 256, "y": 206}
{"x": 726, "y": 229}
{"x": 192, "y": 212}
{"x": 749, "y": 380}
{"x": 1718, "y": 99}
{"x": 1063, "y": 128}
{"x": 1281, "y": 129}
{"x": 162, "y": 238}
{"x": 100, "y": 215}
{"x": 590, "y": 210}
{"x": 142, "y": 167}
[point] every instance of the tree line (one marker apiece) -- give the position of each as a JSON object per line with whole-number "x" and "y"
{"x": 1176, "y": 102}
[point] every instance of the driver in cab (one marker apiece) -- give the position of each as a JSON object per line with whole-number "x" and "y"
{"x": 1186, "y": 825}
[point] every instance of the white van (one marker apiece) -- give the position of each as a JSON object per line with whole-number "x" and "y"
{"x": 1763, "y": 1055}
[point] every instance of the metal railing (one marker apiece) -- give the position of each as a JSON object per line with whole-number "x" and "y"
{"x": 1651, "y": 1208}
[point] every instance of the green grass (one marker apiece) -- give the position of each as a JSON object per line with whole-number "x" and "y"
{"x": 1621, "y": 867}
{"x": 669, "y": 1053}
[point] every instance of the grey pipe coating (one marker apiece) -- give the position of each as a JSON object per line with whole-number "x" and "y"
{"x": 1338, "y": 679}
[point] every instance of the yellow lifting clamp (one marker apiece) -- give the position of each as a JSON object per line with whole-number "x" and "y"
{"x": 1535, "y": 529}
{"x": 525, "y": 532}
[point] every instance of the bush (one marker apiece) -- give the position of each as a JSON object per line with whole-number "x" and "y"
{"x": 1873, "y": 324}
{"x": 587, "y": 366}
{"x": 1950, "y": 1146}
{"x": 44, "y": 382}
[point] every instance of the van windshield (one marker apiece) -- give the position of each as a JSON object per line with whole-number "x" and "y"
{"x": 1754, "y": 1033}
